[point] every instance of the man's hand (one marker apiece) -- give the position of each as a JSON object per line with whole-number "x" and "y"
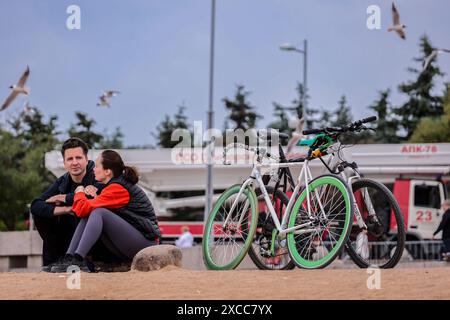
{"x": 58, "y": 199}
{"x": 91, "y": 191}
{"x": 62, "y": 210}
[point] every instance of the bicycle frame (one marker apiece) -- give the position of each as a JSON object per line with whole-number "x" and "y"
{"x": 280, "y": 226}
{"x": 333, "y": 162}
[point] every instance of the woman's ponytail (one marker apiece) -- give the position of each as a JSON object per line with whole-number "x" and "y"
{"x": 131, "y": 175}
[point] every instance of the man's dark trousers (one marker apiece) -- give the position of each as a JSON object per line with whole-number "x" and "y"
{"x": 56, "y": 234}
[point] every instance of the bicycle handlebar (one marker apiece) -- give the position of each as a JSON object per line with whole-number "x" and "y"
{"x": 350, "y": 127}
{"x": 365, "y": 120}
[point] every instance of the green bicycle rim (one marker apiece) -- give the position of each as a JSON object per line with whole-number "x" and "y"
{"x": 342, "y": 239}
{"x": 210, "y": 264}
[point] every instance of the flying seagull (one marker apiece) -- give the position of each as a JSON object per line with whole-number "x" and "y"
{"x": 17, "y": 89}
{"x": 103, "y": 102}
{"x": 105, "y": 96}
{"x": 397, "y": 27}
{"x": 432, "y": 55}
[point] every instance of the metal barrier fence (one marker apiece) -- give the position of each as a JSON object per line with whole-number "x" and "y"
{"x": 424, "y": 250}
{"x": 415, "y": 251}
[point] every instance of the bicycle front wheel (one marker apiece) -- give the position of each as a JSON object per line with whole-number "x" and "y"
{"x": 228, "y": 233}
{"x": 321, "y": 226}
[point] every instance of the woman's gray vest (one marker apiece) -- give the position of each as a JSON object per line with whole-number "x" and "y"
{"x": 139, "y": 211}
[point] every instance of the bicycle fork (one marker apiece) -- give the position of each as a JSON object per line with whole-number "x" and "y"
{"x": 247, "y": 183}
{"x": 366, "y": 198}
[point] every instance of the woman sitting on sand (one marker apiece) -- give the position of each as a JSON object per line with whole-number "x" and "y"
{"x": 122, "y": 215}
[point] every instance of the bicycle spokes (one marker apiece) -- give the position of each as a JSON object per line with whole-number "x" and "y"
{"x": 328, "y": 216}
{"x": 230, "y": 229}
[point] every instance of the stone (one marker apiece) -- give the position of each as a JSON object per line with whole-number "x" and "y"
{"x": 157, "y": 257}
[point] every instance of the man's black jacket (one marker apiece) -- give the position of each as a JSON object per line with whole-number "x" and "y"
{"x": 63, "y": 185}
{"x": 444, "y": 225}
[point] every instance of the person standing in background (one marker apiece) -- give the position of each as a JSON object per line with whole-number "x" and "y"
{"x": 186, "y": 240}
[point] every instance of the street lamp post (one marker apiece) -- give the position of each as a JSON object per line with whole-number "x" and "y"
{"x": 304, "y": 51}
{"x": 209, "y": 181}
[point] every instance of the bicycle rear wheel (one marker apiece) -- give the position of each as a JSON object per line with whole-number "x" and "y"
{"x": 382, "y": 244}
{"x": 320, "y": 235}
{"x": 228, "y": 235}
{"x": 261, "y": 249}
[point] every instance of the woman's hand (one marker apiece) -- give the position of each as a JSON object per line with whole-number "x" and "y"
{"x": 79, "y": 189}
{"x": 91, "y": 191}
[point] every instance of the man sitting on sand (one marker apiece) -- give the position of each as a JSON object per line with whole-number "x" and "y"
{"x": 52, "y": 211}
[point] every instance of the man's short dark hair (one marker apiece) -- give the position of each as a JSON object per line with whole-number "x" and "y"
{"x": 72, "y": 143}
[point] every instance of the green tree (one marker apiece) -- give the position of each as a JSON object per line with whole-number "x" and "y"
{"x": 165, "y": 129}
{"x": 23, "y": 174}
{"x": 167, "y": 126}
{"x": 299, "y": 108}
{"x": 421, "y": 102}
{"x": 83, "y": 129}
{"x": 324, "y": 119}
{"x": 242, "y": 113}
{"x": 37, "y": 137}
{"x": 343, "y": 114}
{"x": 31, "y": 126}
{"x": 282, "y": 121}
{"x": 386, "y": 125}
{"x": 434, "y": 129}
{"x": 17, "y": 186}
{"x": 180, "y": 119}
{"x": 113, "y": 140}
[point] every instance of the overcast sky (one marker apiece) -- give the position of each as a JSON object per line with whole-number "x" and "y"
{"x": 157, "y": 53}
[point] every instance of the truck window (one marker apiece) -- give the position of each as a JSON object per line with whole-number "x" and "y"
{"x": 427, "y": 196}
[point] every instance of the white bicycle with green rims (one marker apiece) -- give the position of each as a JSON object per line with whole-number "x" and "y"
{"x": 314, "y": 228}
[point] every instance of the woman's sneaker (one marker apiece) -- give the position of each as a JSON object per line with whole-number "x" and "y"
{"x": 69, "y": 261}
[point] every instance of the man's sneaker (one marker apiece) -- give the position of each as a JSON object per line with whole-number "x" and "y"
{"x": 72, "y": 261}
{"x": 48, "y": 268}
